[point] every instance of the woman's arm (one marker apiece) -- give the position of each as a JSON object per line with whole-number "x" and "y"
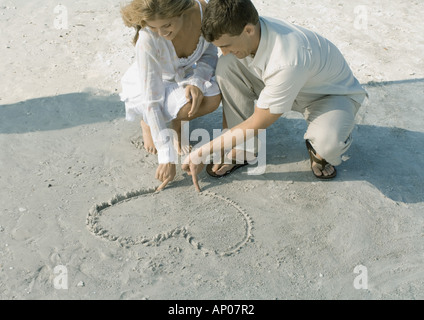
{"x": 261, "y": 119}
{"x": 153, "y": 90}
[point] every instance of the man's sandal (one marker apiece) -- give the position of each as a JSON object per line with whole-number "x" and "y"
{"x": 322, "y": 164}
{"x": 236, "y": 164}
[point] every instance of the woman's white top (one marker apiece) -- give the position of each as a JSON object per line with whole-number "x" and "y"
{"x": 156, "y": 66}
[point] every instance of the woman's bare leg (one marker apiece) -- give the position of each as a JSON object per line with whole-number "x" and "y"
{"x": 147, "y": 138}
{"x": 208, "y": 105}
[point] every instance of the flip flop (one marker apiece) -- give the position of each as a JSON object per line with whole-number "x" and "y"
{"x": 213, "y": 174}
{"x": 236, "y": 164}
{"x": 322, "y": 163}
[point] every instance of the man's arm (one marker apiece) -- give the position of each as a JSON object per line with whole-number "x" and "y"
{"x": 261, "y": 119}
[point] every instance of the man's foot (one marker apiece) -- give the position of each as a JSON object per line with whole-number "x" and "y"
{"x": 320, "y": 168}
{"x": 147, "y": 138}
{"x": 238, "y": 159}
{"x": 328, "y": 170}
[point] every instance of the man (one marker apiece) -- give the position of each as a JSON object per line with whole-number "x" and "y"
{"x": 283, "y": 67}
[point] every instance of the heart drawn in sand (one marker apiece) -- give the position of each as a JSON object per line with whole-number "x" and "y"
{"x": 209, "y": 222}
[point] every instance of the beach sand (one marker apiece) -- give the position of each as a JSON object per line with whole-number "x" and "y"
{"x": 79, "y": 220}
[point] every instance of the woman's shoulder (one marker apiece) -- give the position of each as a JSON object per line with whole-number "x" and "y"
{"x": 150, "y": 39}
{"x": 146, "y": 36}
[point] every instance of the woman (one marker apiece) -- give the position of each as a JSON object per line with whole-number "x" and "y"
{"x": 172, "y": 79}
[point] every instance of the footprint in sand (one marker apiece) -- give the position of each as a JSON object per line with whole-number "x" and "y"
{"x": 209, "y": 222}
{"x": 137, "y": 141}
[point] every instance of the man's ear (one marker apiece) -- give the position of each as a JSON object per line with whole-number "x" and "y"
{"x": 249, "y": 29}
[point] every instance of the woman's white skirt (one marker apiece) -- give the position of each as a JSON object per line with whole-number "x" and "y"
{"x": 174, "y": 100}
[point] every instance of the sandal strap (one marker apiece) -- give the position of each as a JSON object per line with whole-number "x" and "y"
{"x": 312, "y": 153}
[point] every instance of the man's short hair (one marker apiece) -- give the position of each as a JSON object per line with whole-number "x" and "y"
{"x": 227, "y": 17}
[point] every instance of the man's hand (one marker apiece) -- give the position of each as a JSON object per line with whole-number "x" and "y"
{"x": 194, "y": 94}
{"x": 193, "y": 169}
{"x": 165, "y": 173}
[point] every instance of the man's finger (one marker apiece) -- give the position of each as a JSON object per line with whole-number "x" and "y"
{"x": 163, "y": 185}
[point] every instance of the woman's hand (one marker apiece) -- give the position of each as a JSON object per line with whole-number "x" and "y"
{"x": 195, "y": 95}
{"x": 165, "y": 173}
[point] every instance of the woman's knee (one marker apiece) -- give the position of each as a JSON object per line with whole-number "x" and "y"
{"x": 213, "y": 102}
{"x": 208, "y": 105}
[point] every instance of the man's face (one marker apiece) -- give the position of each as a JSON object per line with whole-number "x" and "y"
{"x": 240, "y": 45}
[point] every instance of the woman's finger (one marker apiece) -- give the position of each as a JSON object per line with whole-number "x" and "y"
{"x": 164, "y": 184}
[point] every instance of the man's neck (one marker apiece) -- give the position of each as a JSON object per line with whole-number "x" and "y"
{"x": 256, "y": 40}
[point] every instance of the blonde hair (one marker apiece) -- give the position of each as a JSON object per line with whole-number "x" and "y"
{"x": 137, "y": 12}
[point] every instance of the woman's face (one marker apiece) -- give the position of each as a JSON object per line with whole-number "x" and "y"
{"x": 166, "y": 28}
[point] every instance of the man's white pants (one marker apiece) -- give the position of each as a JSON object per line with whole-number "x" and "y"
{"x": 330, "y": 118}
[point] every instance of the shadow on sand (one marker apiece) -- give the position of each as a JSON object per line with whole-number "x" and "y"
{"x": 59, "y": 112}
{"x": 390, "y": 158}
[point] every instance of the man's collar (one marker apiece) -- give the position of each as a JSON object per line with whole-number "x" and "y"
{"x": 259, "y": 59}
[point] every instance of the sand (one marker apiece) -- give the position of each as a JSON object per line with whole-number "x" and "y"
{"x": 79, "y": 218}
